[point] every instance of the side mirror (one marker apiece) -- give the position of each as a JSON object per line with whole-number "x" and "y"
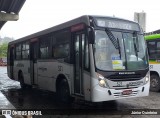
{"x": 91, "y": 35}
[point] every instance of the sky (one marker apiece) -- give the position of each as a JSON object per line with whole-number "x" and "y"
{"x": 37, "y": 15}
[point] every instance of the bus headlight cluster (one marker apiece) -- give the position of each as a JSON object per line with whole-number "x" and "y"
{"x": 147, "y": 78}
{"x": 102, "y": 81}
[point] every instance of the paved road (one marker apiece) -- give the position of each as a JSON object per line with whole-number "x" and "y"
{"x": 38, "y": 99}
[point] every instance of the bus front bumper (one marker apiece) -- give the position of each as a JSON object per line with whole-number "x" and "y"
{"x": 104, "y": 94}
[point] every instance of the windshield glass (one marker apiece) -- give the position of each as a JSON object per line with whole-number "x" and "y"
{"x": 130, "y": 54}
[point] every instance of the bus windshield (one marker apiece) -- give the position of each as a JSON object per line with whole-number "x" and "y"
{"x": 130, "y": 55}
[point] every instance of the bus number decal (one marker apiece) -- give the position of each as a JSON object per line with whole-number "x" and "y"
{"x": 150, "y": 66}
{"x": 60, "y": 68}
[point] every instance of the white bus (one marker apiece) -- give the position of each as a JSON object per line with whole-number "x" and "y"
{"x": 153, "y": 44}
{"x": 95, "y": 58}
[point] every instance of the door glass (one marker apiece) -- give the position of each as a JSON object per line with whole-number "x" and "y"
{"x": 82, "y": 60}
{"x": 77, "y": 65}
{"x": 79, "y": 62}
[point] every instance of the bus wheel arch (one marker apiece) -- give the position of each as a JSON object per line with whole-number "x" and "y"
{"x": 59, "y": 79}
{"x": 62, "y": 89}
{"x": 154, "y": 81}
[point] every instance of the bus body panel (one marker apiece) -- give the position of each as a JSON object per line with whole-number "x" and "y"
{"x": 48, "y": 72}
{"x": 24, "y": 67}
{"x": 45, "y": 72}
{"x": 87, "y": 85}
{"x": 154, "y": 67}
{"x": 153, "y": 41}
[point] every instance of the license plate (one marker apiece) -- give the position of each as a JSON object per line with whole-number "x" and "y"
{"x": 127, "y": 92}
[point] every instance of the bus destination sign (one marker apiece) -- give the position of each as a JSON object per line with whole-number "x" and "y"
{"x": 115, "y": 23}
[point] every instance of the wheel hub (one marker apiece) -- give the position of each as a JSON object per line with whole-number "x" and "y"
{"x": 154, "y": 82}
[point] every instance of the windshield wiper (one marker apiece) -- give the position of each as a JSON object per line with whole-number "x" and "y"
{"x": 136, "y": 46}
{"x": 119, "y": 48}
{"x": 114, "y": 41}
{"x": 135, "y": 39}
{"x": 112, "y": 38}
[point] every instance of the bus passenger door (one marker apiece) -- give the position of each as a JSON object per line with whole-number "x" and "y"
{"x": 78, "y": 63}
{"x": 11, "y": 62}
{"x": 34, "y": 56}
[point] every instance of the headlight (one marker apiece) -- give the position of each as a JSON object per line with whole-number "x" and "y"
{"x": 102, "y": 81}
{"x": 147, "y": 78}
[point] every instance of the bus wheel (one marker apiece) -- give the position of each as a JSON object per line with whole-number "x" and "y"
{"x": 63, "y": 92}
{"x": 21, "y": 80}
{"x": 155, "y": 83}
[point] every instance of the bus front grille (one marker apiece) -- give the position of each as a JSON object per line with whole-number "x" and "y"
{"x": 124, "y": 79}
{"x": 132, "y": 77}
{"x": 119, "y": 94}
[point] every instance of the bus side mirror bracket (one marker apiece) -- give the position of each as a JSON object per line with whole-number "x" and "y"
{"x": 91, "y": 35}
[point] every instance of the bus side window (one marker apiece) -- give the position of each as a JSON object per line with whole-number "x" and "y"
{"x": 18, "y": 51}
{"x": 45, "y": 47}
{"x": 53, "y": 45}
{"x": 25, "y": 50}
{"x": 151, "y": 49}
{"x": 61, "y": 50}
{"x": 158, "y": 50}
{"x": 61, "y": 45}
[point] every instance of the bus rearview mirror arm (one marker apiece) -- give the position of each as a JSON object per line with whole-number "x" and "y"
{"x": 91, "y": 35}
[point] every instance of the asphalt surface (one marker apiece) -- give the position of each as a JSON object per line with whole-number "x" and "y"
{"x": 14, "y": 97}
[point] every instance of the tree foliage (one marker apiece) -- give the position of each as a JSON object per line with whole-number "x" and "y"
{"x": 3, "y": 50}
{"x": 4, "y": 45}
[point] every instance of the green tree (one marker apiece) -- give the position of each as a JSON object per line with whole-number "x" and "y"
{"x": 3, "y": 50}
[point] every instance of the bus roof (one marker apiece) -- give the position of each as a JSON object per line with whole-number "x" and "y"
{"x": 81, "y": 19}
{"x": 152, "y": 37}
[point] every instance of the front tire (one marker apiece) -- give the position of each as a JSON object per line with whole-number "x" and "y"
{"x": 154, "y": 83}
{"x": 63, "y": 92}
